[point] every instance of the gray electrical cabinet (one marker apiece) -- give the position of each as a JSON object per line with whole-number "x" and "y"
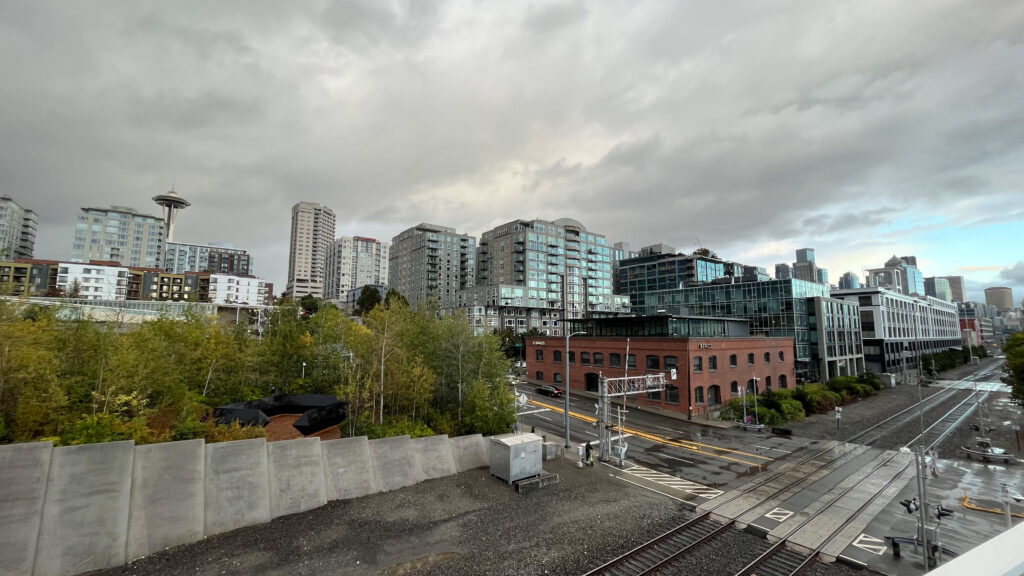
{"x": 516, "y": 456}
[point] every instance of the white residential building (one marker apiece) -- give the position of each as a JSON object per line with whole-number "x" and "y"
{"x": 354, "y": 262}
{"x": 312, "y": 232}
{"x": 92, "y": 281}
{"x": 228, "y": 289}
{"x": 119, "y": 234}
{"x": 17, "y": 230}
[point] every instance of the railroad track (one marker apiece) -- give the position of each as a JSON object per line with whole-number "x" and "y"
{"x": 659, "y": 555}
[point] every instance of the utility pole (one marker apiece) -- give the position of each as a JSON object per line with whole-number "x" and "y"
{"x": 922, "y": 493}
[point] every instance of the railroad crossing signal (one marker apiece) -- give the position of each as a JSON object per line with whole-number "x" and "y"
{"x": 910, "y": 505}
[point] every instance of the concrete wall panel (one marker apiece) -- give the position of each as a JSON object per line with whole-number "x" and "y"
{"x": 167, "y": 497}
{"x": 470, "y": 452}
{"x": 236, "y": 485}
{"x": 394, "y": 464}
{"x": 85, "y": 515}
{"x": 348, "y": 469}
{"x": 23, "y": 472}
{"x": 296, "y": 476}
{"x": 434, "y": 456}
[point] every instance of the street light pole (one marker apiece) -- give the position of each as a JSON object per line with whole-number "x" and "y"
{"x": 303, "y": 370}
{"x": 565, "y": 328}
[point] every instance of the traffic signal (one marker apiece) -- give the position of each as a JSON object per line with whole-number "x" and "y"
{"x": 910, "y": 505}
{"x": 941, "y": 512}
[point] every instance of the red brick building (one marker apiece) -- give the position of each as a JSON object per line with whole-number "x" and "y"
{"x": 708, "y": 370}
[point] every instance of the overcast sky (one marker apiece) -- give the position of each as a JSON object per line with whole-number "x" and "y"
{"x": 862, "y": 129}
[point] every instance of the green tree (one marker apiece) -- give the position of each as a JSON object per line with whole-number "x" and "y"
{"x": 369, "y": 298}
{"x": 310, "y": 304}
{"x": 394, "y": 297}
{"x": 1014, "y": 368}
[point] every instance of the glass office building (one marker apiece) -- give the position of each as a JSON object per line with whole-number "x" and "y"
{"x": 788, "y": 308}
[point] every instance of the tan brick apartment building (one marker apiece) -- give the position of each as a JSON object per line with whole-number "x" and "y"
{"x": 709, "y": 369}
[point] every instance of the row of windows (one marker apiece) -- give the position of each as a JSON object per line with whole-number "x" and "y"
{"x": 654, "y": 362}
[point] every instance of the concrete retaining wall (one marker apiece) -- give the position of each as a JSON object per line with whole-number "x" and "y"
{"x": 85, "y": 514}
{"x": 434, "y": 456}
{"x": 69, "y": 510}
{"x": 167, "y": 505}
{"x": 296, "y": 476}
{"x": 470, "y": 452}
{"x": 24, "y": 469}
{"x": 236, "y": 485}
{"x": 348, "y": 468}
{"x": 394, "y": 463}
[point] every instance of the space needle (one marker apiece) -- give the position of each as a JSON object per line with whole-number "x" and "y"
{"x": 171, "y": 203}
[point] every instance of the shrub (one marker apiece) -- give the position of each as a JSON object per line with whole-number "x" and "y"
{"x": 816, "y": 398}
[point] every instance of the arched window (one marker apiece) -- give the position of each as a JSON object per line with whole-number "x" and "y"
{"x": 556, "y": 356}
{"x": 734, "y": 388}
{"x": 767, "y": 382}
{"x": 698, "y": 364}
{"x": 732, "y": 360}
{"x": 782, "y": 356}
{"x": 750, "y": 358}
{"x": 751, "y": 389}
{"x": 631, "y": 361}
{"x": 558, "y": 377}
{"x": 782, "y": 381}
{"x": 540, "y": 376}
{"x": 540, "y": 355}
{"x": 598, "y": 359}
{"x": 712, "y": 363}
{"x": 672, "y": 394}
{"x": 615, "y": 359}
{"x": 572, "y": 357}
{"x": 671, "y": 362}
{"x": 585, "y": 358}
{"x": 767, "y": 357}
{"x": 698, "y": 395}
{"x": 653, "y": 362}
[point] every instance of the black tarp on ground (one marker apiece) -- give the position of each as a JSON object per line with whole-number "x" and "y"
{"x": 318, "y": 411}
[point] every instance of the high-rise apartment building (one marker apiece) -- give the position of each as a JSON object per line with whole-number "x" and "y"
{"x": 899, "y": 275}
{"x": 999, "y": 296}
{"x": 938, "y": 287}
{"x": 18, "y": 227}
{"x": 118, "y": 234}
{"x": 312, "y": 232}
{"x": 783, "y": 271}
{"x": 806, "y": 271}
{"x": 431, "y": 261}
{"x": 956, "y": 288}
{"x": 354, "y": 262}
{"x": 181, "y": 257}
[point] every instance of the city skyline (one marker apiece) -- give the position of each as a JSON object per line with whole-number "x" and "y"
{"x": 754, "y": 133}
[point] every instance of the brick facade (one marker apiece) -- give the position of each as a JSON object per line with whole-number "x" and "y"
{"x": 706, "y": 378}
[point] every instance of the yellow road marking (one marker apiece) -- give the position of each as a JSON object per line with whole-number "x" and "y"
{"x": 684, "y": 444}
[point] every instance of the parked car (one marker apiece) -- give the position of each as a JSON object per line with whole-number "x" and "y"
{"x": 552, "y": 391}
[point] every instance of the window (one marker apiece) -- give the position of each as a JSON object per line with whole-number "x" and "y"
{"x": 585, "y": 358}
{"x": 767, "y": 357}
{"x": 750, "y": 359}
{"x": 556, "y": 356}
{"x": 672, "y": 394}
{"x": 698, "y": 395}
{"x": 712, "y": 363}
{"x": 631, "y": 361}
{"x": 558, "y": 377}
{"x": 615, "y": 359}
{"x": 698, "y": 364}
{"x": 782, "y": 356}
{"x": 767, "y": 382}
{"x": 782, "y": 381}
{"x": 540, "y": 355}
{"x": 598, "y": 359}
{"x": 653, "y": 362}
{"x": 734, "y": 388}
{"x": 572, "y": 357}
{"x": 732, "y": 360}
{"x": 654, "y": 396}
{"x": 540, "y": 376}
{"x": 671, "y": 362}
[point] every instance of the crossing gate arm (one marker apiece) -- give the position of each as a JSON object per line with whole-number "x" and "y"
{"x": 640, "y": 384}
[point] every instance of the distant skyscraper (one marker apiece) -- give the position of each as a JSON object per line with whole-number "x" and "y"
{"x": 805, "y": 255}
{"x": 783, "y": 271}
{"x": 354, "y": 262}
{"x": 806, "y": 271}
{"x": 18, "y": 227}
{"x": 938, "y": 287}
{"x": 900, "y": 275}
{"x": 119, "y": 234}
{"x": 956, "y": 287}
{"x": 999, "y": 296}
{"x": 849, "y": 281}
{"x": 312, "y": 232}
{"x": 822, "y": 275}
{"x": 431, "y": 261}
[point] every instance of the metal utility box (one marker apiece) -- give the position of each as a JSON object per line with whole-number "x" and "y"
{"x": 516, "y": 456}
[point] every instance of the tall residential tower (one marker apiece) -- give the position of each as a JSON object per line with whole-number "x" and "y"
{"x": 312, "y": 232}
{"x": 431, "y": 261}
{"x": 18, "y": 227}
{"x": 118, "y": 234}
{"x": 354, "y": 262}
